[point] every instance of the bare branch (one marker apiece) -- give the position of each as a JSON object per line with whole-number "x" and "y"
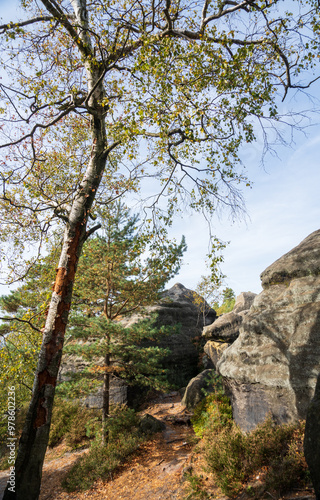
{"x": 235, "y": 6}
{"x": 41, "y": 126}
{"x": 92, "y": 230}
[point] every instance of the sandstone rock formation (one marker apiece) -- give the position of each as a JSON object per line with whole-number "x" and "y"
{"x": 195, "y": 390}
{"x": 243, "y": 303}
{"x": 301, "y": 261}
{"x": 273, "y": 365}
{"x": 225, "y": 330}
{"x": 214, "y": 351}
{"x": 180, "y": 296}
{"x": 226, "y": 327}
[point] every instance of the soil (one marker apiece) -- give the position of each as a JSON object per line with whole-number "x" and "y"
{"x": 156, "y": 471}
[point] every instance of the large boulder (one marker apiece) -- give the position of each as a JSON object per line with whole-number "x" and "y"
{"x": 149, "y": 424}
{"x": 197, "y": 388}
{"x": 273, "y": 365}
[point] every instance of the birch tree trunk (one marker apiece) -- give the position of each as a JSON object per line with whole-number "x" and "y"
{"x": 34, "y": 439}
{"x": 35, "y": 435}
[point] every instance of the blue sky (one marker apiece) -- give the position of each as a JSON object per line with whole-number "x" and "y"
{"x": 282, "y": 205}
{"x": 283, "y": 208}
{"x": 9, "y": 8}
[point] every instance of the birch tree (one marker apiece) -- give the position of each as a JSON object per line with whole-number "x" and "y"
{"x": 166, "y": 91}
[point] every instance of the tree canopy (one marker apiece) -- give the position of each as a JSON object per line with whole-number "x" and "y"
{"x": 179, "y": 87}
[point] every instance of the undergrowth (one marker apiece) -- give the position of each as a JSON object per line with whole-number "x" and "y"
{"x": 78, "y": 426}
{"x": 123, "y": 438}
{"x": 274, "y": 452}
{"x": 73, "y": 423}
{"x": 213, "y": 412}
{"x": 196, "y": 489}
{"x": 70, "y": 421}
{"x": 99, "y": 462}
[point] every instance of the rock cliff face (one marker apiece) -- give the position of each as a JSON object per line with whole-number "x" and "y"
{"x": 225, "y": 330}
{"x": 177, "y": 305}
{"x": 273, "y": 365}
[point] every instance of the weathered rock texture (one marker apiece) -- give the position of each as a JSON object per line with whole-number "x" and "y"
{"x": 243, "y": 302}
{"x": 177, "y": 306}
{"x": 214, "y": 351}
{"x": 301, "y": 261}
{"x": 196, "y": 389}
{"x": 181, "y": 297}
{"x": 226, "y": 327}
{"x": 273, "y": 365}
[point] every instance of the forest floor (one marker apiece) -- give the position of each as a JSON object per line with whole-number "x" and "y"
{"x": 156, "y": 471}
{"x": 153, "y": 472}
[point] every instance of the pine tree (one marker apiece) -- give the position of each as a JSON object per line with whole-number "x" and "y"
{"x": 228, "y": 302}
{"x": 120, "y": 272}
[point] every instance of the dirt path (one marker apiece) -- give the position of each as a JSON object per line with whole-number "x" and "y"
{"x": 154, "y": 472}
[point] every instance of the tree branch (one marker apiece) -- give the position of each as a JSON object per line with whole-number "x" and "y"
{"x": 92, "y": 230}
{"x": 11, "y": 25}
{"x": 235, "y": 6}
{"x": 5, "y": 318}
{"x": 60, "y": 16}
